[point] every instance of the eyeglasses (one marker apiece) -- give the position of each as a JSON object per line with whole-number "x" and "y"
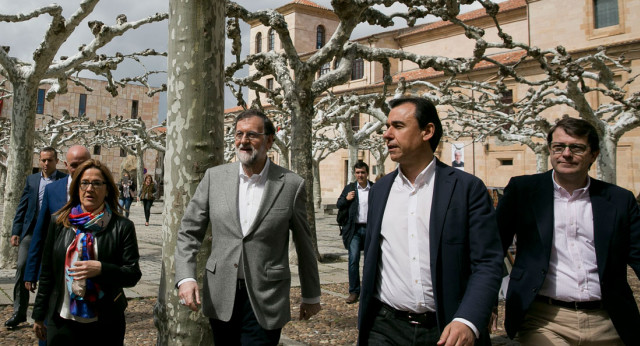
{"x": 250, "y": 135}
{"x": 576, "y": 149}
{"x": 96, "y": 184}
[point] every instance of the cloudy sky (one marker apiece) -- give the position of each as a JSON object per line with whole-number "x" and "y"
{"x": 23, "y": 38}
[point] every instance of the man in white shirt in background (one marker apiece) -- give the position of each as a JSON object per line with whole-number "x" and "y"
{"x": 354, "y": 200}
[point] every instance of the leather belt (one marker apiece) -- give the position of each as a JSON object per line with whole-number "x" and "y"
{"x": 590, "y": 305}
{"x": 425, "y": 319}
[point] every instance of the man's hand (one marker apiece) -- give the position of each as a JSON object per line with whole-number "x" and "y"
{"x": 40, "y": 329}
{"x": 189, "y": 292}
{"x": 15, "y": 240}
{"x": 85, "y": 269}
{"x": 351, "y": 195}
{"x": 31, "y": 286}
{"x": 457, "y": 334}
{"x": 308, "y": 310}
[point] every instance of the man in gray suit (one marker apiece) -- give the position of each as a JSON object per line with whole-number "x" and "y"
{"x": 251, "y": 204}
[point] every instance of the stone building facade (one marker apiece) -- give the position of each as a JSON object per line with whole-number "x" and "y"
{"x": 131, "y": 102}
{"x": 581, "y": 26}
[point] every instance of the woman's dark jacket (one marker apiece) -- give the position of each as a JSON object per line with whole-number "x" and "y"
{"x": 118, "y": 253}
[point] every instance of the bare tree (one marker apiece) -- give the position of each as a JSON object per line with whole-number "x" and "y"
{"x": 26, "y": 77}
{"x": 195, "y": 134}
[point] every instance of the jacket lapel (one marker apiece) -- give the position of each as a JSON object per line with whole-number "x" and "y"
{"x": 230, "y": 184}
{"x": 272, "y": 188}
{"x": 542, "y": 208}
{"x": 444, "y": 183}
{"x": 603, "y": 226}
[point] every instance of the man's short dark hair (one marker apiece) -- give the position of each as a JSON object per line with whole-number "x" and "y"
{"x": 51, "y": 150}
{"x": 269, "y": 129}
{"x": 577, "y": 128}
{"x": 360, "y": 164}
{"x": 425, "y": 113}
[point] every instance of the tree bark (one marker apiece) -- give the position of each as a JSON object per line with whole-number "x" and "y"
{"x": 139, "y": 166}
{"x": 353, "y": 158}
{"x": 23, "y": 123}
{"x": 195, "y": 136}
{"x": 317, "y": 188}
{"x": 542, "y": 159}
{"x": 607, "y": 159}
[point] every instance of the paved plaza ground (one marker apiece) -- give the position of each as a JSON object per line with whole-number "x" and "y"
{"x": 334, "y": 325}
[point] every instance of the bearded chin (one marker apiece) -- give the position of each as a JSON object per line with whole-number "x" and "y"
{"x": 247, "y": 159}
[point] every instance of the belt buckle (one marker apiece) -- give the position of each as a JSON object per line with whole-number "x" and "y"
{"x": 412, "y": 320}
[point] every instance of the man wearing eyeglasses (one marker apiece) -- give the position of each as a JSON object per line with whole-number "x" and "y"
{"x": 575, "y": 236}
{"x": 251, "y": 206}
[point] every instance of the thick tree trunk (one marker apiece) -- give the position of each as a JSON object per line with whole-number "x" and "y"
{"x": 301, "y": 157}
{"x": 542, "y": 159}
{"x": 139, "y": 165}
{"x": 195, "y": 142}
{"x": 23, "y": 123}
{"x": 607, "y": 159}
{"x": 3, "y": 181}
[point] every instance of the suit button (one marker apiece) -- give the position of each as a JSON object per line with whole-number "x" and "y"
{"x": 235, "y": 265}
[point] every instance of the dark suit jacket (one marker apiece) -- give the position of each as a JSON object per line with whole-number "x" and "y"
{"x": 464, "y": 247}
{"x": 526, "y": 210}
{"x": 27, "y": 210}
{"x": 349, "y": 229}
{"x": 55, "y": 197}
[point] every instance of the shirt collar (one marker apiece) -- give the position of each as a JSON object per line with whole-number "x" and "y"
{"x": 50, "y": 175}
{"x": 576, "y": 192}
{"x": 424, "y": 178}
{"x": 363, "y": 188}
{"x": 255, "y": 177}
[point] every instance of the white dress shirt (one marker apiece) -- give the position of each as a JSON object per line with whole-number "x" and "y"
{"x": 573, "y": 267}
{"x": 405, "y": 240}
{"x": 250, "y": 193}
{"x": 363, "y": 202}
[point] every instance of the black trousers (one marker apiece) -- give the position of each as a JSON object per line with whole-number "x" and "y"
{"x": 106, "y": 331}
{"x": 147, "y": 208}
{"x": 243, "y": 327}
{"x": 387, "y": 329}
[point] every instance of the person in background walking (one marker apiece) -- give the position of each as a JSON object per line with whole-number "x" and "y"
{"x": 147, "y": 193}
{"x": 127, "y": 191}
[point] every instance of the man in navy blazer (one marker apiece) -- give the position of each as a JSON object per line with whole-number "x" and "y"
{"x": 23, "y": 224}
{"x": 55, "y": 197}
{"x": 575, "y": 236}
{"x": 433, "y": 263}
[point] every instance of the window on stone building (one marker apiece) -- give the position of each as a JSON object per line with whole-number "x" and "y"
{"x": 605, "y": 13}
{"x": 82, "y": 105}
{"x": 506, "y": 162}
{"x": 320, "y": 37}
{"x": 271, "y": 43}
{"x": 40, "y": 105}
{"x": 270, "y": 83}
{"x": 96, "y": 149}
{"x": 324, "y": 69}
{"x": 507, "y": 101}
{"x": 134, "y": 109}
{"x": 258, "y": 43}
{"x": 357, "y": 71}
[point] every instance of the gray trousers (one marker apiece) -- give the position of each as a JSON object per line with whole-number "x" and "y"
{"x": 20, "y": 293}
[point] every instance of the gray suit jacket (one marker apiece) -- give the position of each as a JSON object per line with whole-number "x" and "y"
{"x": 264, "y": 250}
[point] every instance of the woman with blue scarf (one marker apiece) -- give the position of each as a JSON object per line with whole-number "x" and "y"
{"x": 90, "y": 254}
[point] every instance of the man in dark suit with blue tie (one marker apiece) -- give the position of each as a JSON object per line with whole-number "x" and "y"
{"x": 433, "y": 263}
{"x": 575, "y": 236}
{"x": 55, "y": 197}
{"x": 23, "y": 224}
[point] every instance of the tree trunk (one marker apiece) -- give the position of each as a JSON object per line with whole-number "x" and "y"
{"x": 353, "y": 158}
{"x": 607, "y": 159}
{"x": 3, "y": 181}
{"x": 139, "y": 165}
{"x": 195, "y": 142}
{"x": 317, "y": 189}
{"x": 542, "y": 159}
{"x": 20, "y": 157}
{"x": 301, "y": 157}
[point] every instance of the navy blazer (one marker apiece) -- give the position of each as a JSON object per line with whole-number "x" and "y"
{"x": 27, "y": 211}
{"x": 55, "y": 197}
{"x": 348, "y": 231}
{"x": 464, "y": 248}
{"x": 526, "y": 210}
